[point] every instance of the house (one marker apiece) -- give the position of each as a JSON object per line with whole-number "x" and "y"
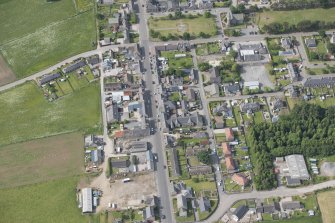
{"x": 93, "y": 60}
{"x": 200, "y": 170}
{"x": 194, "y": 120}
{"x": 230, "y": 164}
{"x": 212, "y": 90}
{"x": 310, "y": 42}
{"x": 182, "y": 205}
{"x": 204, "y": 204}
{"x": 112, "y": 113}
{"x": 332, "y": 38}
{"x": 226, "y": 149}
{"x": 175, "y": 162}
{"x": 148, "y": 213}
{"x": 114, "y": 22}
{"x": 252, "y": 85}
{"x": 293, "y": 93}
{"x": 294, "y": 75}
{"x": 239, "y": 213}
{"x": 297, "y": 167}
{"x": 229, "y": 134}
{"x": 268, "y": 208}
{"x": 240, "y": 179}
{"x": 49, "y": 77}
{"x": 235, "y": 19}
{"x": 291, "y": 205}
{"x": 75, "y": 66}
{"x": 250, "y": 107}
{"x": 113, "y": 86}
{"x": 105, "y": 42}
{"x": 320, "y": 82}
{"x": 149, "y": 160}
{"x": 87, "y": 200}
{"x": 214, "y": 75}
{"x": 219, "y": 123}
{"x": 190, "y": 94}
{"x": 231, "y": 89}
{"x": 277, "y": 104}
{"x": 286, "y": 42}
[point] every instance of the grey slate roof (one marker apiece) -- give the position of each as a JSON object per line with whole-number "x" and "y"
{"x": 50, "y": 77}
{"x": 240, "y": 211}
{"x": 74, "y": 66}
{"x": 320, "y": 82}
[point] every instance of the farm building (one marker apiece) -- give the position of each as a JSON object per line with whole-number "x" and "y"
{"x": 297, "y": 167}
{"x": 87, "y": 199}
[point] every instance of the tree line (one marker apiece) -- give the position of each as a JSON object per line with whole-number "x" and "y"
{"x": 302, "y": 4}
{"x": 302, "y": 26}
{"x": 308, "y": 130}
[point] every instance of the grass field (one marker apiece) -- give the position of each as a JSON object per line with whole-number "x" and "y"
{"x": 49, "y": 202}
{"x": 327, "y": 206}
{"x": 19, "y": 18}
{"x": 25, "y": 114}
{"x": 179, "y": 26}
{"x": 314, "y": 219}
{"x": 41, "y": 160}
{"x": 50, "y": 45}
{"x": 293, "y": 17}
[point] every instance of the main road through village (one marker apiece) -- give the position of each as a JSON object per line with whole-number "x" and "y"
{"x": 155, "y": 102}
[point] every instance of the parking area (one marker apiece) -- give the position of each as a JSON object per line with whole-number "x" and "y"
{"x": 256, "y": 73}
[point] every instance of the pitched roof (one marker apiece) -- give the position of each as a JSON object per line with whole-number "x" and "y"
{"x": 230, "y": 164}
{"x": 226, "y": 149}
{"x": 240, "y": 179}
{"x": 50, "y": 77}
{"x": 229, "y": 134}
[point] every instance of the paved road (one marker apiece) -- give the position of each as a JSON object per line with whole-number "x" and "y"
{"x": 157, "y": 145}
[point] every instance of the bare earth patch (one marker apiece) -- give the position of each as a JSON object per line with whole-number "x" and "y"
{"x": 6, "y": 74}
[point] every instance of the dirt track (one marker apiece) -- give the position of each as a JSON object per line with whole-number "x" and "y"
{"x": 6, "y": 74}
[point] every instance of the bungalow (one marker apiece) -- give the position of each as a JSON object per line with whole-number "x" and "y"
{"x": 74, "y": 66}
{"x": 291, "y": 205}
{"x": 214, "y": 75}
{"x": 310, "y": 42}
{"x": 250, "y": 107}
{"x": 240, "y": 179}
{"x": 286, "y": 43}
{"x": 230, "y": 164}
{"x": 200, "y": 170}
{"x": 49, "y": 77}
{"x": 231, "y": 89}
{"x": 93, "y": 60}
{"x": 239, "y": 212}
{"x": 229, "y": 134}
{"x": 226, "y": 149}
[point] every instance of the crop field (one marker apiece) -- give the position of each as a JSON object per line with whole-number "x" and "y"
{"x": 50, "y": 45}
{"x": 25, "y": 114}
{"x": 294, "y": 17}
{"x": 327, "y": 206}
{"x": 52, "y": 201}
{"x": 41, "y": 160}
{"x": 179, "y": 26}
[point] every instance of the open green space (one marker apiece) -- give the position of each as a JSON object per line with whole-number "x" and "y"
{"x": 52, "y": 201}
{"x": 313, "y": 219}
{"x": 296, "y": 16}
{"x": 25, "y": 114}
{"x": 83, "y": 5}
{"x": 41, "y": 160}
{"x": 194, "y": 26}
{"x": 179, "y": 62}
{"x": 19, "y": 18}
{"x": 51, "y": 44}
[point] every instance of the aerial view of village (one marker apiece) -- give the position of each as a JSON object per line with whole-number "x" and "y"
{"x": 209, "y": 111}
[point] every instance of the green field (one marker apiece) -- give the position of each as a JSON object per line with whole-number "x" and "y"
{"x": 41, "y": 160}
{"x": 25, "y": 114}
{"x": 19, "y": 18}
{"x": 53, "y": 201}
{"x": 179, "y": 26}
{"x": 294, "y": 17}
{"x": 50, "y": 45}
{"x": 314, "y": 219}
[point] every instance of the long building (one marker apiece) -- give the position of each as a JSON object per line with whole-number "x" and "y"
{"x": 297, "y": 167}
{"x": 87, "y": 198}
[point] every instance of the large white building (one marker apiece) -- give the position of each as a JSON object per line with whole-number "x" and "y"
{"x": 87, "y": 199}
{"x": 297, "y": 167}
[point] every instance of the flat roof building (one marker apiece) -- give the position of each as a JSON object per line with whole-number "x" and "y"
{"x": 297, "y": 167}
{"x": 87, "y": 198}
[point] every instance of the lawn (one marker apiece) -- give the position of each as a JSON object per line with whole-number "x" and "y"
{"x": 53, "y": 201}
{"x": 327, "y": 206}
{"x": 51, "y": 44}
{"x": 25, "y": 114}
{"x": 177, "y": 63}
{"x": 41, "y": 160}
{"x": 179, "y": 26}
{"x": 19, "y": 18}
{"x": 83, "y": 5}
{"x": 294, "y": 17}
{"x": 200, "y": 186}
{"x": 314, "y": 219}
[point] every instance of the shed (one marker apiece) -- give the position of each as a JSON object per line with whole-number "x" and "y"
{"x": 87, "y": 199}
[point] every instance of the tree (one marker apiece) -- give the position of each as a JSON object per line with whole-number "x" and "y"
{"x": 207, "y": 14}
{"x": 186, "y": 36}
{"x": 204, "y": 157}
{"x": 233, "y": 54}
{"x": 178, "y": 14}
{"x": 204, "y": 66}
{"x": 170, "y": 16}
{"x": 331, "y": 48}
{"x": 322, "y": 33}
